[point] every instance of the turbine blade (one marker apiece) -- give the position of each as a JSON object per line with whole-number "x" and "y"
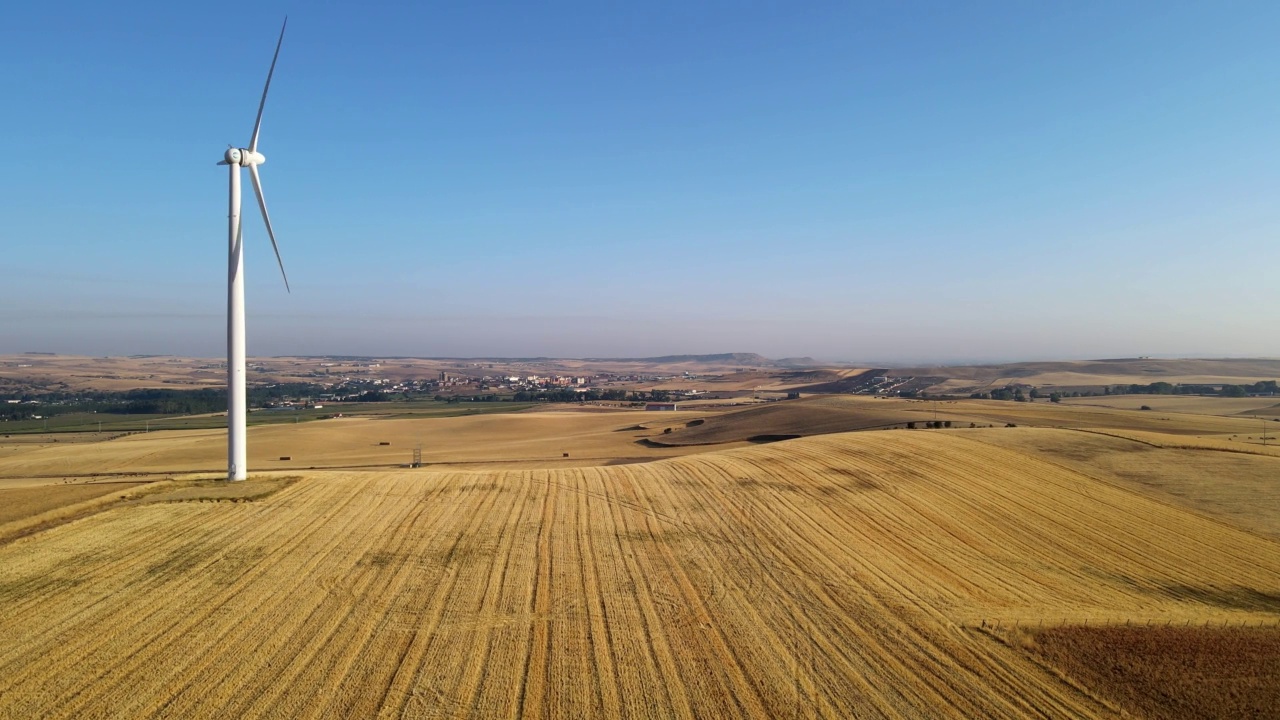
{"x": 257, "y": 124}
{"x": 262, "y": 203}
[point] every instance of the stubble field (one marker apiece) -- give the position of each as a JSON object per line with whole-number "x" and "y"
{"x": 1163, "y": 671}
{"x": 853, "y": 575}
{"x": 538, "y": 439}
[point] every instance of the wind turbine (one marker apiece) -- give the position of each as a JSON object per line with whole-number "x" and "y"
{"x": 237, "y": 407}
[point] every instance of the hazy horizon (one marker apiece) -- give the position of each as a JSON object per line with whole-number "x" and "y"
{"x": 849, "y": 362}
{"x": 922, "y": 184}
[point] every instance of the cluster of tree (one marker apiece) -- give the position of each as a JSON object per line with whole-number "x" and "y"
{"x": 150, "y": 401}
{"x": 455, "y": 399}
{"x": 1005, "y": 393}
{"x": 936, "y": 424}
{"x": 284, "y": 391}
{"x": 1164, "y": 388}
{"x": 565, "y": 395}
{"x": 561, "y": 395}
{"x": 131, "y": 402}
{"x": 172, "y": 402}
{"x": 1155, "y": 388}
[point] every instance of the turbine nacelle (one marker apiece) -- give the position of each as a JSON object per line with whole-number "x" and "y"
{"x": 242, "y": 157}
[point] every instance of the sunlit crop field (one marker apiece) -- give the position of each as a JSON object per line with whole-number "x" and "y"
{"x": 841, "y": 576}
{"x": 548, "y": 438}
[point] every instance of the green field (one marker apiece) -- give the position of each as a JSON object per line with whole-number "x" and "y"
{"x": 118, "y": 423}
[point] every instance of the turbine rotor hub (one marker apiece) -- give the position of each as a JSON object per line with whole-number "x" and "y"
{"x": 242, "y": 157}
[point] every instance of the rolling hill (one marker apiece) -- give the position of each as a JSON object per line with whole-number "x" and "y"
{"x": 852, "y": 575}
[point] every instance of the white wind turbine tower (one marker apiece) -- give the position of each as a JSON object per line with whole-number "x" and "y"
{"x": 237, "y": 409}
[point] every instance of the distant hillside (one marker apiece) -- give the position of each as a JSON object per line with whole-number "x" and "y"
{"x": 1097, "y": 373}
{"x": 796, "y": 418}
{"x": 748, "y": 359}
{"x": 798, "y": 362}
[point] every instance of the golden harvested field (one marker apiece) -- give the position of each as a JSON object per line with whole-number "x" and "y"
{"x": 796, "y": 418}
{"x": 1081, "y": 373}
{"x": 765, "y": 381}
{"x": 1237, "y": 487}
{"x": 17, "y": 503}
{"x": 528, "y": 439}
{"x": 842, "y": 413}
{"x": 75, "y": 372}
{"x": 837, "y": 576}
{"x": 1268, "y": 407}
{"x": 1062, "y": 415}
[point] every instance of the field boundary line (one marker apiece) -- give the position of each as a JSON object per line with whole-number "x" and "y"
{"x": 1174, "y": 446}
{"x": 1047, "y": 669}
{"x": 1115, "y": 485}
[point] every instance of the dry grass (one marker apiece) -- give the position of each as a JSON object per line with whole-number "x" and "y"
{"x": 1261, "y": 406}
{"x": 208, "y": 490}
{"x": 1082, "y": 373}
{"x": 24, "y": 502}
{"x": 797, "y": 418}
{"x": 1182, "y": 672}
{"x": 28, "y": 509}
{"x": 824, "y": 577}
{"x": 830, "y": 414}
{"x": 1048, "y": 414}
{"x": 503, "y": 440}
{"x": 1235, "y": 487}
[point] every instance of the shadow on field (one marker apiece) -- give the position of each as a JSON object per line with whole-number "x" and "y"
{"x": 1171, "y": 672}
{"x": 1234, "y": 598}
{"x": 778, "y": 485}
{"x": 220, "y": 490}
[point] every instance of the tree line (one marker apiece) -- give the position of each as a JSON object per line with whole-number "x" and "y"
{"x": 149, "y": 401}
{"x": 1164, "y": 388}
{"x": 1156, "y": 388}
{"x": 592, "y": 396}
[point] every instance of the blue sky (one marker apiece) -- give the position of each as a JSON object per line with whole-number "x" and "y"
{"x": 856, "y": 181}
